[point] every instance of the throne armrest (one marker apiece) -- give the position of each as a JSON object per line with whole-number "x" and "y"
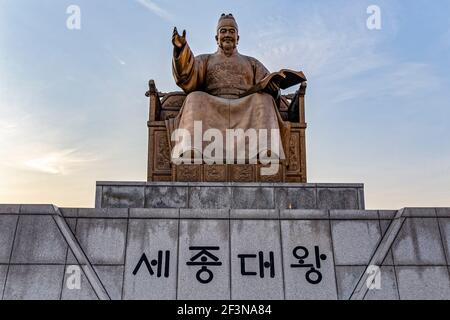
{"x": 154, "y": 103}
{"x": 296, "y": 110}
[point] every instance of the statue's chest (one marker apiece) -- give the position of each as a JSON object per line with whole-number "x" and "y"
{"x": 229, "y": 72}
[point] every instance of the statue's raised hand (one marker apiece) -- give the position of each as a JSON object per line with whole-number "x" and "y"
{"x": 177, "y": 40}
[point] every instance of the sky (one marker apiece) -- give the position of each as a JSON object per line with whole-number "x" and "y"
{"x": 73, "y": 110}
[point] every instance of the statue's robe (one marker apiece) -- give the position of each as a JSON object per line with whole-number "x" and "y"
{"x": 213, "y": 83}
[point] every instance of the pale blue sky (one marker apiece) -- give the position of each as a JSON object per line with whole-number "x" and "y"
{"x": 73, "y": 110}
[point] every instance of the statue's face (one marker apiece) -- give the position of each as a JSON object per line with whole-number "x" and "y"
{"x": 227, "y": 38}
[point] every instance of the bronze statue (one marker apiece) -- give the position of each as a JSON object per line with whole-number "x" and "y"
{"x": 223, "y": 91}
{"x": 215, "y": 84}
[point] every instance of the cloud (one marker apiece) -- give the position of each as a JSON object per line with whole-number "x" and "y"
{"x": 6, "y": 126}
{"x": 154, "y": 8}
{"x": 344, "y": 60}
{"x": 411, "y": 77}
{"x": 112, "y": 52}
{"x": 120, "y": 61}
{"x": 394, "y": 80}
{"x": 321, "y": 47}
{"x": 58, "y": 162}
{"x": 28, "y": 145}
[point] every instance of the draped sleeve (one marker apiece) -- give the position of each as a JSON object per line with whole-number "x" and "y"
{"x": 259, "y": 70}
{"x": 188, "y": 71}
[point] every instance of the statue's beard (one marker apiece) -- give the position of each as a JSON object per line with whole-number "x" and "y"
{"x": 227, "y": 46}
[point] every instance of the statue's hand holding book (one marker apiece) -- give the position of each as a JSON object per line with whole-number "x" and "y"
{"x": 283, "y": 79}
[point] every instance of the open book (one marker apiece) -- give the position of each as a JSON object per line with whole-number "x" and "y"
{"x": 284, "y": 78}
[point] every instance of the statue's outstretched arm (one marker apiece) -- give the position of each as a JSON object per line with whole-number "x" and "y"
{"x": 188, "y": 70}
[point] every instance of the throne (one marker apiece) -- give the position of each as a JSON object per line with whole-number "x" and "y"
{"x": 160, "y": 168}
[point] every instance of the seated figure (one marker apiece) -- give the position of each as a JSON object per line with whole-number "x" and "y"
{"x": 215, "y": 85}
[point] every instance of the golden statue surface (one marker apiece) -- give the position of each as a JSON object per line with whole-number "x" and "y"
{"x": 226, "y": 91}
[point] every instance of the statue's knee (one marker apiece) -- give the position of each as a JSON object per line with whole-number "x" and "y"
{"x": 264, "y": 98}
{"x": 195, "y": 97}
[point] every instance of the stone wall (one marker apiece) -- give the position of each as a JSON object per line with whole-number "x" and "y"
{"x": 251, "y": 253}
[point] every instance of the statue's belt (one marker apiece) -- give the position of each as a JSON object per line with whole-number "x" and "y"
{"x": 230, "y": 91}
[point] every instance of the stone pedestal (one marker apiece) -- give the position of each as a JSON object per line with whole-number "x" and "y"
{"x": 195, "y": 195}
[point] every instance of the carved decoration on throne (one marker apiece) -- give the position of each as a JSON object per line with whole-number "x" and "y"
{"x": 294, "y": 151}
{"x": 188, "y": 173}
{"x": 215, "y": 172}
{"x": 242, "y": 173}
{"x": 162, "y": 154}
